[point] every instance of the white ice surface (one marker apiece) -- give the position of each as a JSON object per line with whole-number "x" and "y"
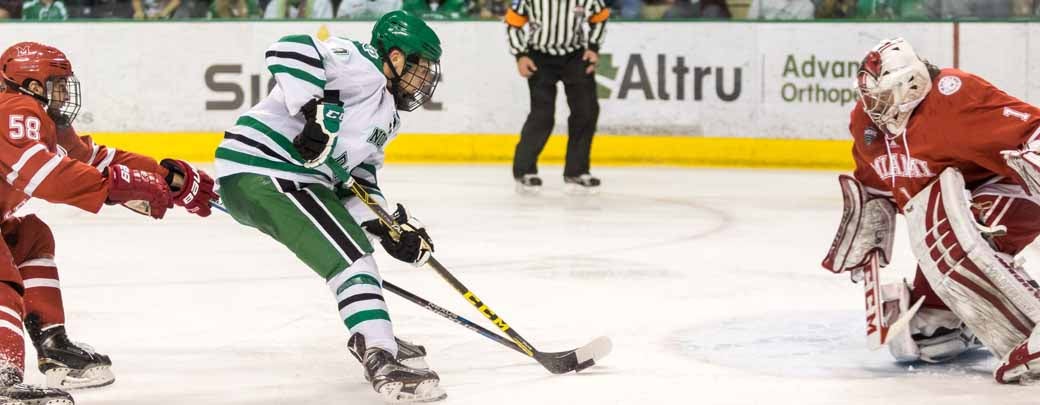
{"x": 708, "y": 282}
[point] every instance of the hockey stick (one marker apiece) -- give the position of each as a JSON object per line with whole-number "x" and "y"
{"x": 556, "y": 362}
{"x": 451, "y": 316}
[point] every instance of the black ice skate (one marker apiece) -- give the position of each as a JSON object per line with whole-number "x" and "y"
{"x": 68, "y": 364}
{"x": 394, "y": 380}
{"x": 399, "y": 383}
{"x": 408, "y": 353}
{"x": 584, "y": 184}
{"x": 529, "y": 184}
{"x": 411, "y": 354}
{"x": 13, "y": 392}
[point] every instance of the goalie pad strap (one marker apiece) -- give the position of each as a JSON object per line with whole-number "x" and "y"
{"x": 867, "y": 224}
{"x": 979, "y": 284}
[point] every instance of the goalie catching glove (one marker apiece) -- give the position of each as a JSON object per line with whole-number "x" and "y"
{"x": 318, "y": 137}
{"x": 413, "y": 245}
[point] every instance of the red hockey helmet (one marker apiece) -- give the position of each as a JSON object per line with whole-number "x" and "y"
{"x": 27, "y": 62}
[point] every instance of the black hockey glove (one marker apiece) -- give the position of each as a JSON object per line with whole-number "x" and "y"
{"x": 318, "y": 137}
{"x": 413, "y": 246}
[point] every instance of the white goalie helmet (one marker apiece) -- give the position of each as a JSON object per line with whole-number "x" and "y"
{"x": 892, "y": 81}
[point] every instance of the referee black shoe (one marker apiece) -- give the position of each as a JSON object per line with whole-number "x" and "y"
{"x": 529, "y": 184}
{"x": 584, "y": 184}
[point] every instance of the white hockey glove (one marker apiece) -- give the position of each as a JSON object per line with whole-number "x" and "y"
{"x": 413, "y": 246}
{"x": 867, "y": 225}
{"x": 318, "y": 137}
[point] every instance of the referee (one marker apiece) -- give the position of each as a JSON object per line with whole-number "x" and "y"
{"x": 561, "y": 44}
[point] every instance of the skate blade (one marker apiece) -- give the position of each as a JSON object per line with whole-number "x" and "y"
{"x": 425, "y": 391}
{"x": 575, "y": 189}
{"x": 66, "y": 379}
{"x": 528, "y": 190}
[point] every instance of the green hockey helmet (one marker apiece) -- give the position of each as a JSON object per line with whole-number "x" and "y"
{"x": 421, "y": 47}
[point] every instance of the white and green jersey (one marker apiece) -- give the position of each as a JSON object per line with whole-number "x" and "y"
{"x": 306, "y": 68}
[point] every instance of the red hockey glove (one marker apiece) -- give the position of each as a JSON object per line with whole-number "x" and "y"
{"x": 196, "y": 191}
{"x": 139, "y": 190}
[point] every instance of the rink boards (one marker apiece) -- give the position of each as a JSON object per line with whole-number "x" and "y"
{"x": 707, "y": 93}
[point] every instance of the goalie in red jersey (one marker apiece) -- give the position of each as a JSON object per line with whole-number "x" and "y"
{"x": 41, "y": 156}
{"x": 958, "y": 158}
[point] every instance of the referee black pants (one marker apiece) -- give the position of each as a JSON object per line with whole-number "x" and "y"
{"x": 581, "y": 98}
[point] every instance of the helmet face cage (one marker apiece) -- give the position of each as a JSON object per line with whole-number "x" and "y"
{"x": 63, "y": 95}
{"x": 877, "y": 103}
{"x": 416, "y": 84}
{"x": 892, "y": 81}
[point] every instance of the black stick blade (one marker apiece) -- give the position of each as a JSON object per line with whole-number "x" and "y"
{"x": 577, "y": 359}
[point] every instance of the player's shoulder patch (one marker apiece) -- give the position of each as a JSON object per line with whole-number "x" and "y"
{"x": 861, "y": 127}
{"x": 370, "y": 50}
{"x": 869, "y": 135}
{"x": 949, "y": 85}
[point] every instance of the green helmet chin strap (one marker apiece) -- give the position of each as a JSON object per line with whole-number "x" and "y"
{"x": 421, "y": 47}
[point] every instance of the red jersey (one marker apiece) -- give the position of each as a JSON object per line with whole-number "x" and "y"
{"x": 963, "y": 122}
{"x": 37, "y": 159}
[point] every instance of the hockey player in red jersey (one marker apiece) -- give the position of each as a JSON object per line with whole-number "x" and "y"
{"x": 41, "y": 156}
{"x": 958, "y": 158}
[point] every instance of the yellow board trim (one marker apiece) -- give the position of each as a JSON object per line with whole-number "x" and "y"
{"x": 632, "y": 150}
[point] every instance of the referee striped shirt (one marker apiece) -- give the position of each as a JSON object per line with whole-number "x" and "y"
{"x": 555, "y": 27}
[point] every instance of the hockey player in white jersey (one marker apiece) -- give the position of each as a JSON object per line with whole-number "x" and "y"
{"x": 283, "y": 165}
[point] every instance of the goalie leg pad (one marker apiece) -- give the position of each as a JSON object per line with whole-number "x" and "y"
{"x": 978, "y": 284}
{"x": 867, "y": 225}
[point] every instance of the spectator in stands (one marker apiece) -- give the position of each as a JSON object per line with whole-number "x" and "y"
{"x": 372, "y": 9}
{"x": 44, "y": 10}
{"x": 985, "y": 9}
{"x": 629, "y": 8}
{"x": 891, "y": 9}
{"x": 234, "y": 9}
{"x": 1022, "y": 8}
{"x": 436, "y": 9}
{"x": 655, "y": 9}
{"x": 10, "y": 9}
{"x": 154, "y": 9}
{"x": 697, "y": 9}
{"x": 298, "y": 9}
{"x": 781, "y": 10}
{"x": 98, "y": 9}
{"x": 836, "y": 8}
{"x": 491, "y": 8}
{"x": 715, "y": 9}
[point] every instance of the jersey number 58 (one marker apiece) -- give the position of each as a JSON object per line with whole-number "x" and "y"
{"x": 21, "y": 126}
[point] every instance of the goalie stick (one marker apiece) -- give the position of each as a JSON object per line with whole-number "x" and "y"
{"x": 878, "y": 328}
{"x": 864, "y": 238}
